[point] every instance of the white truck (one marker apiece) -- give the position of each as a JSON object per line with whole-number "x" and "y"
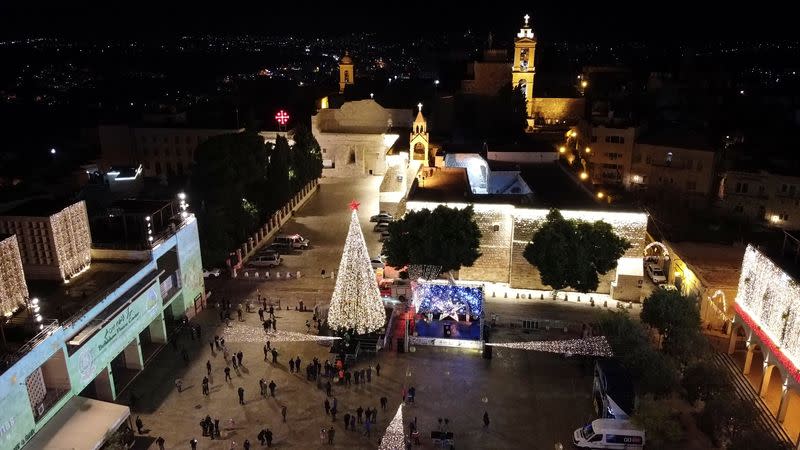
{"x": 609, "y": 433}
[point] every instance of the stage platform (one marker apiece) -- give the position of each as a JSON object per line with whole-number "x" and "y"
{"x": 458, "y": 330}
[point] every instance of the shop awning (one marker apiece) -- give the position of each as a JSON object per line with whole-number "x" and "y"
{"x": 82, "y": 423}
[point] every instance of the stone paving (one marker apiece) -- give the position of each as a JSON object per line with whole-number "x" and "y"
{"x": 534, "y": 400}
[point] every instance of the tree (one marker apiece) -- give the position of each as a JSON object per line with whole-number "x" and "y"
{"x": 663, "y": 426}
{"x": 703, "y": 380}
{"x": 677, "y": 319}
{"x": 278, "y": 172}
{"x": 653, "y": 371}
{"x": 228, "y": 175}
{"x": 571, "y": 253}
{"x": 306, "y": 157}
{"x": 445, "y": 237}
{"x": 356, "y": 302}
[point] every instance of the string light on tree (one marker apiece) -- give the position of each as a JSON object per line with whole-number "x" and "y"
{"x": 356, "y": 302}
{"x": 394, "y": 438}
{"x": 591, "y": 346}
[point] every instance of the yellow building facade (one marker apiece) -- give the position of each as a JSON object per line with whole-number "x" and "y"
{"x": 523, "y": 70}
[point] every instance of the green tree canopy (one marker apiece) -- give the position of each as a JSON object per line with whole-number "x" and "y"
{"x": 663, "y": 426}
{"x": 237, "y": 181}
{"x": 446, "y": 237}
{"x": 677, "y": 319}
{"x": 571, "y": 253}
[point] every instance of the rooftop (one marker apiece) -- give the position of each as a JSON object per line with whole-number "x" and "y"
{"x": 714, "y": 264}
{"x": 62, "y": 301}
{"x": 444, "y": 185}
{"x": 40, "y": 207}
{"x": 678, "y": 138}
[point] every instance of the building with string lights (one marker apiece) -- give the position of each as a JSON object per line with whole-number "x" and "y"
{"x": 54, "y": 238}
{"x": 13, "y": 290}
{"x": 70, "y": 348}
{"x": 765, "y": 342}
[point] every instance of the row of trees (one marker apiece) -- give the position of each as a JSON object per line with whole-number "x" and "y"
{"x": 238, "y": 181}
{"x": 683, "y": 368}
{"x": 569, "y": 253}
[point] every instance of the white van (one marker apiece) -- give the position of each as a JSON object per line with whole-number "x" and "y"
{"x": 292, "y": 241}
{"x": 609, "y": 433}
{"x": 271, "y": 260}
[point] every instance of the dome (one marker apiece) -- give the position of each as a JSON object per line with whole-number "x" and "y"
{"x": 346, "y": 59}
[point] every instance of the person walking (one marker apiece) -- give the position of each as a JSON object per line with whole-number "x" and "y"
{"x": 160, "y": 441}
{"x": 283, "y": 413}
{"x": 274, "y": 324}
{"x": 346, "y": 421}
{"x": 331, "y": 433}
{"x": 272, "y": 387}
{"x": 139, "y": 424}
{"x": 228, "y": 374}
{"x": 323, "y": 435}
{"x": 274, "y": 356}
{"x": 239, "y": 312}
{"x": 234, "y": 364}
{"x": 216, "y": 427}
{"x": 271, "y": 312}
{"x": 359, "y": 412}
{"x": 327, "y": 405}
{"x": 211, "y": 345}
{"x": 205, "y": 386}
{"x": 369, "y": 374}
{"x": 193, "y": 443}
{"x": 378, "y": 370}
{"x": 333, "y": 413}
{"x": 367, "y": 428}
{"x": 485, "y": 419}
{"x": 297, "y": 363}
{"x": 384, "y": 401}
{"x": 241, "y": 395}
{"x": 208, "y": 367}
{"x": 347, "y": 378}
{"x": 268, "y": 437}
{"x": 266, "y": 353}
{"x": 262, "y": 437}
{"x": 353, "y": 422}
{"x": 246, "y": 445}
{"x": 328, "y": 388}
{"x": 265, "y": 325}
{"x": 240, "y": 357}
{"x": 260, "y": 314}
{"x": 291, "y": 365}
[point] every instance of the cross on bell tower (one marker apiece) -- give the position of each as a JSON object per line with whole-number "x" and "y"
{"x": 419, "y": 143}
{"x": 523, "y": 69}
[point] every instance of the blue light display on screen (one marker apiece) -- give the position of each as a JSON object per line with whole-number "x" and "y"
{"x": 444, "y": 298}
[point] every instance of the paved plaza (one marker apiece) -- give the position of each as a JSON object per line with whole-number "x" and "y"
{"x": 534, "y": 400}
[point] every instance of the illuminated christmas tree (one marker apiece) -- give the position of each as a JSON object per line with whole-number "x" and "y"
{"x": 356, "y": 302}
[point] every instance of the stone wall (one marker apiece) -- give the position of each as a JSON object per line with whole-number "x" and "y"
{"x": 550, "y": 110}
{"x": 496, "y": 227}
{"x": 501, "y": 258}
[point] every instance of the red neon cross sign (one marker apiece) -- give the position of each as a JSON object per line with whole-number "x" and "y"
{"x": 282, "y": 117}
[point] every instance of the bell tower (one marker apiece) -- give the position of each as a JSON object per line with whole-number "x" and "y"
{"x": 419, "y": 142}
{"x": 347, "y": 74}
{"x": 523, "y": 70}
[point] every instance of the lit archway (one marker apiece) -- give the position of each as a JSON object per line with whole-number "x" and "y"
{"x": 664, "y": 251}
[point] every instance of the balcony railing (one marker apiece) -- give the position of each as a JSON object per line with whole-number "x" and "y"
{"x": 170, "y": 286}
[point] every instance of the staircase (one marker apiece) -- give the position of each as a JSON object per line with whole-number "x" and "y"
{"x": 745, "y": 391}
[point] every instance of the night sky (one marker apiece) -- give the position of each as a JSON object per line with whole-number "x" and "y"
{"x": 596, "y": 21}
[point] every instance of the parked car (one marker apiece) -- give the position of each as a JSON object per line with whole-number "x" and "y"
{"x": 668, "y": 287}
{"x": 268, "y": 252}
{"x": 266, "y": 261}
{"x": 383, "y": 215}
{"x": 382, "y": 226}
{"x": 293, "y": 241}
{"x": 384, "y": 236}
{"x": 377, "y": 263}
{"x": 656, "y": 274}
{"x": 213, "y": 272}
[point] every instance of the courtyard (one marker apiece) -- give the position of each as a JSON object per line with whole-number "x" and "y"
{"x": 534, "y": 400}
